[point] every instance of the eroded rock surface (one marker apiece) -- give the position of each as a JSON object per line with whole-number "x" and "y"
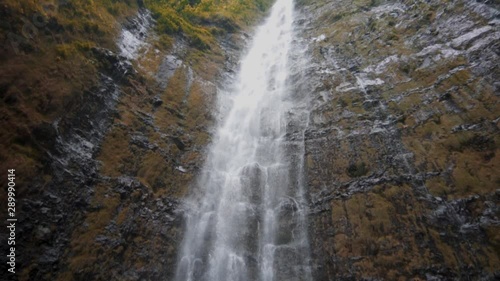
{"x": 106, "y": 201}
{"x": 401, "y": 149}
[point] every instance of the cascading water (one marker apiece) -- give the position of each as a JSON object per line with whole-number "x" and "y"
{"x": 247, "y": 221}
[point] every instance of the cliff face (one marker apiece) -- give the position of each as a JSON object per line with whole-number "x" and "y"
{"x": 107, "y": 108}
{"x": 401, "y": 149}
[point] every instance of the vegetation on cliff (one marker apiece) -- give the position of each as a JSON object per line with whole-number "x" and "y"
{"x": 403, "y": 151}
{"x": 47, "y": 63}
{"x": 201, "y": 20}
{"x": 55, "y": 65}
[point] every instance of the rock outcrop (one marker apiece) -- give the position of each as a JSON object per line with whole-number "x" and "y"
{"x": 402, "y": 143}
{"x": 101, "y": 173}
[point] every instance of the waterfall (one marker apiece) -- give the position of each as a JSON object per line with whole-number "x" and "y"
{"x": 246, "y": 219}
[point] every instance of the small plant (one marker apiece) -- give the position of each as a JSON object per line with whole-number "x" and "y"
{"x": 372, "y": 25}
{"x": 357, "y": 170}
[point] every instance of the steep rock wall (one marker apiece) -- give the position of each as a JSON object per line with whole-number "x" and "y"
{"x": 402, "y": 145}
{"x": 105, "y": 117}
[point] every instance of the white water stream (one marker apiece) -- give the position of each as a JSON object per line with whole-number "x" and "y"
{"x": 247, "y": 221}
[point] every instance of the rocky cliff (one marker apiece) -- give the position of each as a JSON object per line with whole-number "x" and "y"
{"x": 107, "y": 110}
{"x": 401, "y": 150}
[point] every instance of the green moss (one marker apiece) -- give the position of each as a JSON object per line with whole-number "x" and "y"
{"x": 48, "y": 69}
{"x": 200, "y": 20}
{"x": 115, "y": 153}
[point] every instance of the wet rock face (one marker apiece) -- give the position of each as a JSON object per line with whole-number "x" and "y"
{"x": 132, "y": 39}
{"x": 71, "y": 143}
{"x": 123, "y": 161}
{"x": 119, "y": 160}
{"x": 401, "y": 149}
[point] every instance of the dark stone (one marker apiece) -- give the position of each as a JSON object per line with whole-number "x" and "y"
{"x": 45, "y": 135}
{"x": 178, "y": 142}
{"x": 49, "y": 256}
{"x": 114, "y": 65}
{"x": 157, "y": 101}
{"x": 445, "y": 96}
{"x": 357, "y": 170}
{"x": 369, "y": 104}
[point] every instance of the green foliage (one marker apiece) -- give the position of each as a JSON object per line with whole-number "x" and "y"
{"x": 201, "y": 20}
